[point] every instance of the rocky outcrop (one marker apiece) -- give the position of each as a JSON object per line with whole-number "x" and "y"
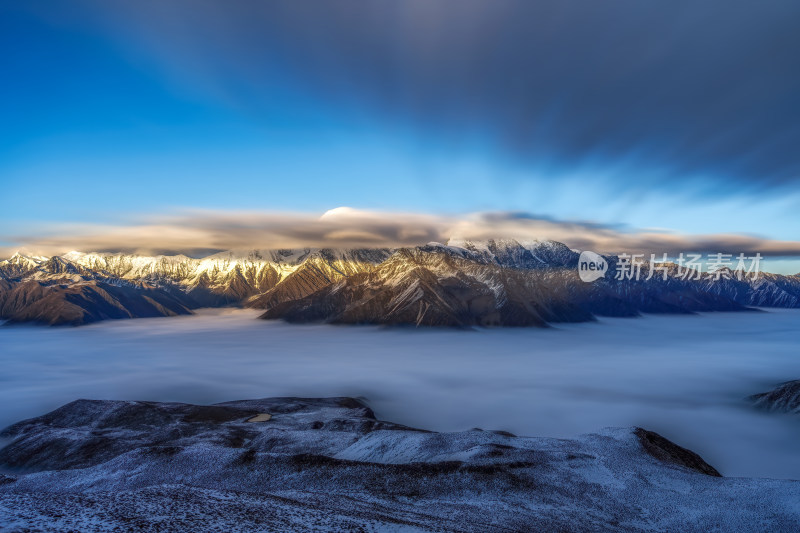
{"x": 783, "y": 399}
{"x": 667, "y": 451}
{"x": 329, "y": 465}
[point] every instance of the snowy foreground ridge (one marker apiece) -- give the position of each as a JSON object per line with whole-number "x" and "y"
{"x": 330, "y": 465}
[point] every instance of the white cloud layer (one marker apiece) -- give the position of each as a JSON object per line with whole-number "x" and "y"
{"x": 199, "y": 231}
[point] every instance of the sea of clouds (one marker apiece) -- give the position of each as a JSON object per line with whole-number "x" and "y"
{"x": 683, "y": 376}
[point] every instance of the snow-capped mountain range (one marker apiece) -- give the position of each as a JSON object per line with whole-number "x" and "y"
{"x": 460, "y": 283}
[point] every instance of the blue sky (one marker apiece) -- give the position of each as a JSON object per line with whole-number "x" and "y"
{"x": 682, "y": 118}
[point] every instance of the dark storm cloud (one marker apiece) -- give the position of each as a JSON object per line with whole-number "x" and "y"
{"x": 650, "y": 94}
{"x": 698, "y": 95}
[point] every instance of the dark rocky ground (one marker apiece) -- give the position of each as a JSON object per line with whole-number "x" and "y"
{"x": 330, "y": 465}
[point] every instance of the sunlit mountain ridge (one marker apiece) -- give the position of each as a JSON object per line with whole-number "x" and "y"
{"x": 460, "y": 283}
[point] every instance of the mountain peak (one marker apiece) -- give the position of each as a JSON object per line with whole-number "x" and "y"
{"x": 19, "y": 256}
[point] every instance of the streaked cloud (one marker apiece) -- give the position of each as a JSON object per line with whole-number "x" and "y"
{"x": 681, "y": 114}
{"x": 198, "y": 232}
{"x": 655, "y": 95}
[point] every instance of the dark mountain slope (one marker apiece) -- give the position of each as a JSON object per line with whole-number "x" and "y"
{"x": 85, "y": 302}
{"x": 319, "y": 270}
{"x": 432, "y": 287}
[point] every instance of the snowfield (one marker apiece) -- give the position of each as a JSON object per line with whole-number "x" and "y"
{"x": 330, "y": 465}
